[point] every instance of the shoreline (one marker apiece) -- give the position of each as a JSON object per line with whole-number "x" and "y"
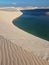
{"x": 24, "y": 8}
{"x": 23, "y": 39}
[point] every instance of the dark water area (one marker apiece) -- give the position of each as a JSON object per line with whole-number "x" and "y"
{"x": 35, "y": 22}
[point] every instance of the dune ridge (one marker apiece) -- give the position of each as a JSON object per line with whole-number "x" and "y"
{"x": 27, "y": 41}
{"x": 11, "y": 54}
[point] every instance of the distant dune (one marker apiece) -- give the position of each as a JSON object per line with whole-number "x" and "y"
{"x": 47, "y": 13}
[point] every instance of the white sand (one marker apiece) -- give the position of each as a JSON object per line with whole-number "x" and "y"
{"x": 27, "y": 41}
{"x": 47, "y": 13}
{"x": 11, "y": 54}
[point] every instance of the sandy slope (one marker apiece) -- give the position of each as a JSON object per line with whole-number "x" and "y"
{"x": 11, "y": 54}
{"x": 27, "y": 41}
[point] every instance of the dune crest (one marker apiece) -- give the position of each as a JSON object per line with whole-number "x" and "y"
{"x": 11, "y": 54}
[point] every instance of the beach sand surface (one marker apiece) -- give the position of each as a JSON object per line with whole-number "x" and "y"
{"x": 11, "y": 54}
{"x": 23, "y": 39}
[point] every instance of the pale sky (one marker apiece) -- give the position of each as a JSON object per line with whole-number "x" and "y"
{"x": 26, "y": 2}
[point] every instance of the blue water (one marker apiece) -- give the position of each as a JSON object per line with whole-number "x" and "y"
{"x": 35, "y": 22}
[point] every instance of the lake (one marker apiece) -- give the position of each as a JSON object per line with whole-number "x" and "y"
{"x": 35, "y": 22}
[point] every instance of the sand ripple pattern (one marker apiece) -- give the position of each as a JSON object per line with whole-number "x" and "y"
{"x": 11, "y": 54}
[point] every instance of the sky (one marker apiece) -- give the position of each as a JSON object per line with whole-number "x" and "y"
{"x": 25, "y": 2}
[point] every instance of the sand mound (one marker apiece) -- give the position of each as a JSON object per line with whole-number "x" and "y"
{"x": 11, "y": 54}
{"x": 27, "y": 41}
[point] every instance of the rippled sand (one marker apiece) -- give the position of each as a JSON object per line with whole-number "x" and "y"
{"x": 11, "y": 54}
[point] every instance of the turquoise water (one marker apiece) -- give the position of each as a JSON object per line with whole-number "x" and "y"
{"x": 37, "y": 25}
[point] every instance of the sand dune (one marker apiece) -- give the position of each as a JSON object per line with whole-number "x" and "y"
{"x": 11, "y": 54}
{"x": 27, "y": 41}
